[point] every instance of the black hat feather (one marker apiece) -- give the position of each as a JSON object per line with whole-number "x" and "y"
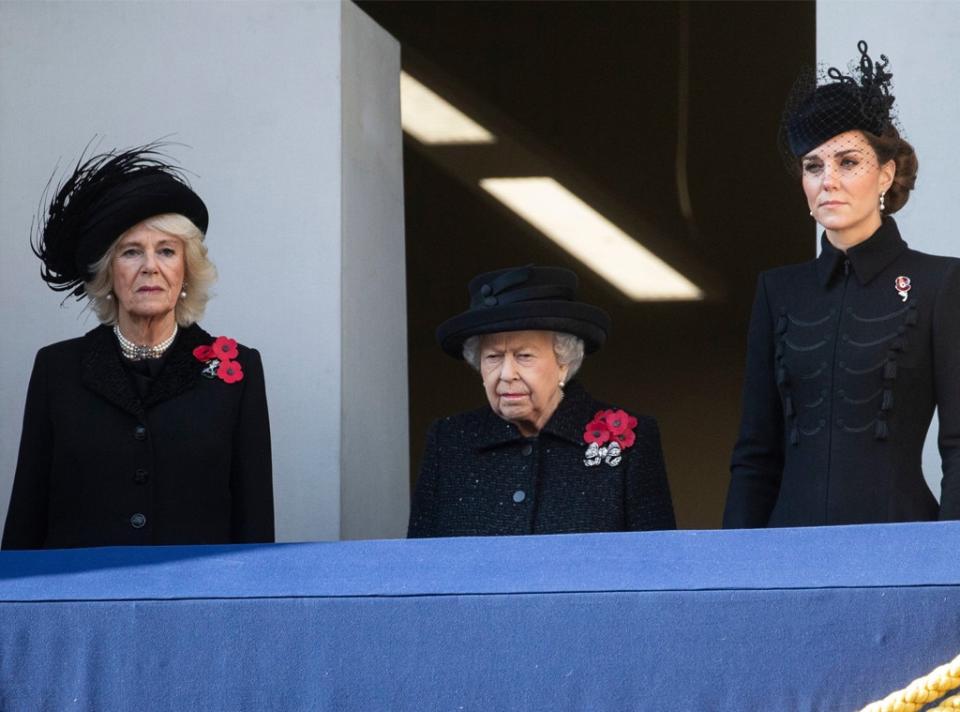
{"x": 106, "y": 195}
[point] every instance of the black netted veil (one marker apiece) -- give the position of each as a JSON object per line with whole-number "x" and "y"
{"x": 820, "y": 107}
{"x": 107, "y": 194}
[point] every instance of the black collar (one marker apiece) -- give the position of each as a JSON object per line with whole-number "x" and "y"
{"x": 868, "y": 259}
{"x": 103, "y": 372}
{"x": 568, "y": 422}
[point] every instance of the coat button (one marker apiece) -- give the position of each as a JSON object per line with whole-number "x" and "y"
{"x": 527, "y": 449}
{"x": 137, "y": 520}
{"x": 140, "y": 476}
{"x": 140, "y": 433}
{"x": 519, "y": 496}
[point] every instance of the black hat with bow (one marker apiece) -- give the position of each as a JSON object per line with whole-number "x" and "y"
{"x": 105, "y": 196}
{"x": 521, "y": 299}
{"x": 862, "y": 101}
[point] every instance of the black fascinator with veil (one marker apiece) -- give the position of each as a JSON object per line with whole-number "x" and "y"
{"x": 106, "y": 195}
{"x": 816, "y": 111}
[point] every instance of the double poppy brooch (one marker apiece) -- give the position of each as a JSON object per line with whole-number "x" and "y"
{"x": 607, "y": 436}
{"x": 220, "y": 359}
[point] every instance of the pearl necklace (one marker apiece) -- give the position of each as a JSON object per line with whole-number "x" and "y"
{"x": 137, "y": 352}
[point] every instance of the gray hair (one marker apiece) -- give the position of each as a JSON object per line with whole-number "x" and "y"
{"x": 568, "y": 349}
{"x": 199, "y": 272}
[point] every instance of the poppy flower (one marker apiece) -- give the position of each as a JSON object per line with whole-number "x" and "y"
{"x": 617, "y": 421}
{"x": 229, "y": 371}
{"x": 626, "y": 438}
{"x": 596, "y": 432}
{"x": 225, "y": 348}
{"x": 203, "y": 352}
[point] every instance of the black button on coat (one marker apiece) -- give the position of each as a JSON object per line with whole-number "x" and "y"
{"x": 844, "y": 369}
{"x": 189, "y": 464}
{"x": 480, "y": 476}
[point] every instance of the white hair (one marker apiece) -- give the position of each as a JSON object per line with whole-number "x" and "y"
{"x": 568, "y": 349}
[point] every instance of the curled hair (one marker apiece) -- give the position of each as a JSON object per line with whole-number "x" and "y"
{"x": 568, "y": 349}
{"x": 890, "y": 146}
{"x": 198, "y": 275}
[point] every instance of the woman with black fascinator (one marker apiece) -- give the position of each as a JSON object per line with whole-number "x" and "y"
{"x": 147, "y": 430}
{"x": 849, "y": 354}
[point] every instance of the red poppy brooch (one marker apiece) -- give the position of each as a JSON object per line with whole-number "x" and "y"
{"x": 902, "y": 285}
{"x": 220, "y": 359}
{"x": 607, "y": 436}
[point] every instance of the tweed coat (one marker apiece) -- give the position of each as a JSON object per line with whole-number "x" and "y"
{"x": 847, "y": 357}
{"x": 480, "y": 476}
{"x": 188, "y": 464}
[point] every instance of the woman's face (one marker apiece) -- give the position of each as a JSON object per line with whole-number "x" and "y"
{"x": 843, "y": 180}
{"x": 521, "y": 377}
{"x": 148, "y": 270}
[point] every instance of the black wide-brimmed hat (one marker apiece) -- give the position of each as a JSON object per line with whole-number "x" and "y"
{"x": 861, "y": 101}
{"x": 521, "y": 299}
{"x": 105, "y": 196}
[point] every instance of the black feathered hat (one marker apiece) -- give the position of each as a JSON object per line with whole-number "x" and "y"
{"x": 521, "y": 299}
{"x": 814, "y": 114}
{"x": 106, "y": 195}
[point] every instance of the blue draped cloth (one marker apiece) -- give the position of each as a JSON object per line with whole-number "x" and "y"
{"x": 795, "y": 619}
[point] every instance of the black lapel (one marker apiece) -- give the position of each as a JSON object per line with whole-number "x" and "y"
{"x": 102, "y": 370}
{"x": 103, "y": 373}
{"x": 182, "y": 369}
{"x": 574, "y": 413}
{"x": 492, "y": 430}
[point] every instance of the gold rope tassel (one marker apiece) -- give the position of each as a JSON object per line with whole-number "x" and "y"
{"x": 951, "y": 704}
{"x": 923, "y": 690}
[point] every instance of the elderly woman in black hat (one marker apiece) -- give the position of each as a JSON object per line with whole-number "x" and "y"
{"x": 849, "y": 354}
{"x": 147, "y": 430}
{"x": 543, "y": 457}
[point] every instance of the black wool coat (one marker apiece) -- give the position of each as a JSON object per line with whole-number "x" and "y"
{"x": 189, "y": 464}
{"x": 844, "y": 369}
{"x": 480, "y": 476}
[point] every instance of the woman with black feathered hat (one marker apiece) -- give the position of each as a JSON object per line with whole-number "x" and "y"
{"x": 849, "y": 354}
{"x": 544, "y": 457}
{"x": 147, "y": 430}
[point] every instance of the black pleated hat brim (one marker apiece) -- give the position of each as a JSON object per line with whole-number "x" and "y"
{"x": 588, "y": 322}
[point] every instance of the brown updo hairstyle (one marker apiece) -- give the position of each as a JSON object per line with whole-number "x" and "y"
{"x": 890, "y": 146}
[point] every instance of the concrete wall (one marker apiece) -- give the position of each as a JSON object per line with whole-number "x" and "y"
{"x": 921, "y": 40}
{"x": 286, "y": 148}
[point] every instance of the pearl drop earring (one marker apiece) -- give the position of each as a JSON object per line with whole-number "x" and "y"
{"x": 881, "y": 202}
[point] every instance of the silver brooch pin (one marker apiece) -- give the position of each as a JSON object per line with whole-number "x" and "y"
{"x": 902, "y": 285}
{"x": 211, "y": 369}
{"x": 610, "y": 454}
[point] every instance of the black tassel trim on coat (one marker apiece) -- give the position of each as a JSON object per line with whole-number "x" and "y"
{"x": 887, "y": 402}
{"x": 880, "y": 431}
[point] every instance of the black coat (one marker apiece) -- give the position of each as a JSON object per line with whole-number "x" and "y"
{"x": 842, "y": 378}
{"x": 190, "y": 464}
{"x": 480, "y": 476}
